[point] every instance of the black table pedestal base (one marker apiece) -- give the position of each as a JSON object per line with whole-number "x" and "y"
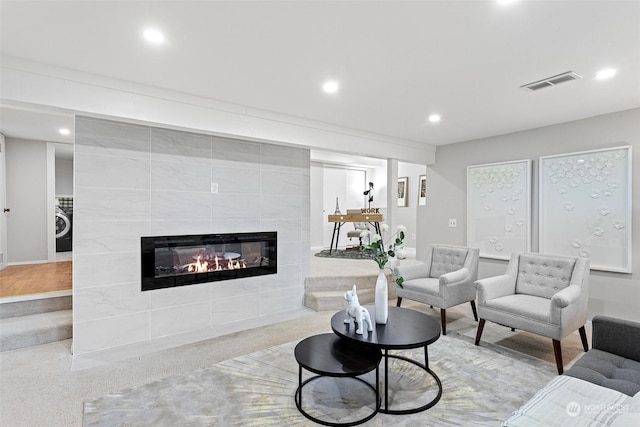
{"x": 386, "y": 409}
{"x": 298, "y": 400}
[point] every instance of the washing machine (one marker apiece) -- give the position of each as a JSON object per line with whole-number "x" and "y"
{"x": 64, "y": 234}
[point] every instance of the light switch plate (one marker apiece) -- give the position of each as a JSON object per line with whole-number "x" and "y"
{"x": 214, "y": 188}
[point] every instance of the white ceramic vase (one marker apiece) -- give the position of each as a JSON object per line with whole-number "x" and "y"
{"x": 382, "y": 299}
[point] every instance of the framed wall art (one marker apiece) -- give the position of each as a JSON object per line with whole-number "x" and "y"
{"x": 585, "y": 207}
{"x": 422, "y": 190}
{"x": 499, "y": 208}
{"x": 402, "y": 191}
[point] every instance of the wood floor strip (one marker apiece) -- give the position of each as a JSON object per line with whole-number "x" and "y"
{"x": 20, "y": 280}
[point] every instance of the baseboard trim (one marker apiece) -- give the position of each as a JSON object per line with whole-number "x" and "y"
{"x": 27, "y": 262}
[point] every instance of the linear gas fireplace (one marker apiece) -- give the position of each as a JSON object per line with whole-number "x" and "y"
{"x": 169, "y": 261}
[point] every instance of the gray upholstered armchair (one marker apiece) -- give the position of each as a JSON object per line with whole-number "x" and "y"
{"x": 543, "y": 294}
{"x": 445, "y": 279}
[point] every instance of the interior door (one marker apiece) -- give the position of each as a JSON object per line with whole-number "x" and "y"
{"x": 347, "y": 186}
{"x": 3, "y": 206}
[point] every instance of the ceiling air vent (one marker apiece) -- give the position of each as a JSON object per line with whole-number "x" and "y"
{"x": 551, "y": 81}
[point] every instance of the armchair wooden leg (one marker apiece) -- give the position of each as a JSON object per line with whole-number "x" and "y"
{"x": 558, "y": 352}
{"x": 443, "y": 319}
{"x": 583, "y": 337}
{"x": 473, "y": 307}
{"x": 479, "y": 333}
{"x": 399, "y": 302}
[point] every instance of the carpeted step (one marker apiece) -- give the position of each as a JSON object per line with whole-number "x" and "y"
{"x": 327, "y": 293}
{"x": 35, "y": 329}
{"x": 339, "y": 283}
{"x": 34, "y": 306}
{"x": 334, "y": 300}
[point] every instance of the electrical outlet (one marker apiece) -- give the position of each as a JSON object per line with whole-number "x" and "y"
{"x": 453, "y": 223}
{"x": 214, "y": 188}
{"x": 413, "y": 237}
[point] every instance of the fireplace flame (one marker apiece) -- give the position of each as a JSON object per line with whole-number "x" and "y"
{"x": 200, "y": 266}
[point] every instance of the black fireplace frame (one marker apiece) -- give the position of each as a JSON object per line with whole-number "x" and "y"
{"x": 148, "y": 265}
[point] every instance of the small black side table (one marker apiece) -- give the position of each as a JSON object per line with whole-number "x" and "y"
{"x": 329, "y": 355}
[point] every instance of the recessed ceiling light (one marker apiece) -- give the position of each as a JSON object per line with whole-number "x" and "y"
{"x": 330, "y": 87}
{"x": 64, "y": 131}
{"x": 606, "y": 73}
{"x": 153, "y": 36}
{"x": 434, "y": 118}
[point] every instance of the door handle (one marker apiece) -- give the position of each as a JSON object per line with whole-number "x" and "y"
{"x": 7, "y": 210}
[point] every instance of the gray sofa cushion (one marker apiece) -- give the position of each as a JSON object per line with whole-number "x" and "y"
{"x": 543, "y": 276}
{"x": 608, "y": 370}
{"x": 446, "y": 259}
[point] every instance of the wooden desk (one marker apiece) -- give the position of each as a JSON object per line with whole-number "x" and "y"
{"x": 340, "y": 220}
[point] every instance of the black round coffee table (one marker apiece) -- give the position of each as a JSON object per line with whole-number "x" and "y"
{"x": 328, "y": 355}
{"x": 405, "y": 329}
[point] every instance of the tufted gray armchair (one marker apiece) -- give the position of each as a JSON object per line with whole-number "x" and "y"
{"x": 444, "y": 280}
{"x": 543, "y": 294}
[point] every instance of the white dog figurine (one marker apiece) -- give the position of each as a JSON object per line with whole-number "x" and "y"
{"x": 357, "y": 312}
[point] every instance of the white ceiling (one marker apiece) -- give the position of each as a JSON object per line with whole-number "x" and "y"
{"x": 396, "y": 61}
{"x": 35, "y": 124}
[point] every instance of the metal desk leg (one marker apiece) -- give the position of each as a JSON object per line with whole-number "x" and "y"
{"x": 335, "y": 227}
{"x": 336, "y": 235}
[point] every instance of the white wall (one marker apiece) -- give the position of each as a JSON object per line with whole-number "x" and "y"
{"x": 133, "y": 181}
{"x": 350, "y": 192}
{"x": 379, "y": 178}
{"x": 26, "y": 170}
{"x": 612, "y": 294}
{"x": 407, "y": 216}
{"x": 347, "y": 186}
{"x": 64, "y": 177}
{"x": 318, "y": 215}
{"x": 327, "y": 183}
{"x": 3, "y": 204}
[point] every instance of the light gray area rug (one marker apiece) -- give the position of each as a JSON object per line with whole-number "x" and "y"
{"x": 482, "y": 386}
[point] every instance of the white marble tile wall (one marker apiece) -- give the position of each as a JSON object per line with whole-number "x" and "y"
{"x": 133, "y": 181}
